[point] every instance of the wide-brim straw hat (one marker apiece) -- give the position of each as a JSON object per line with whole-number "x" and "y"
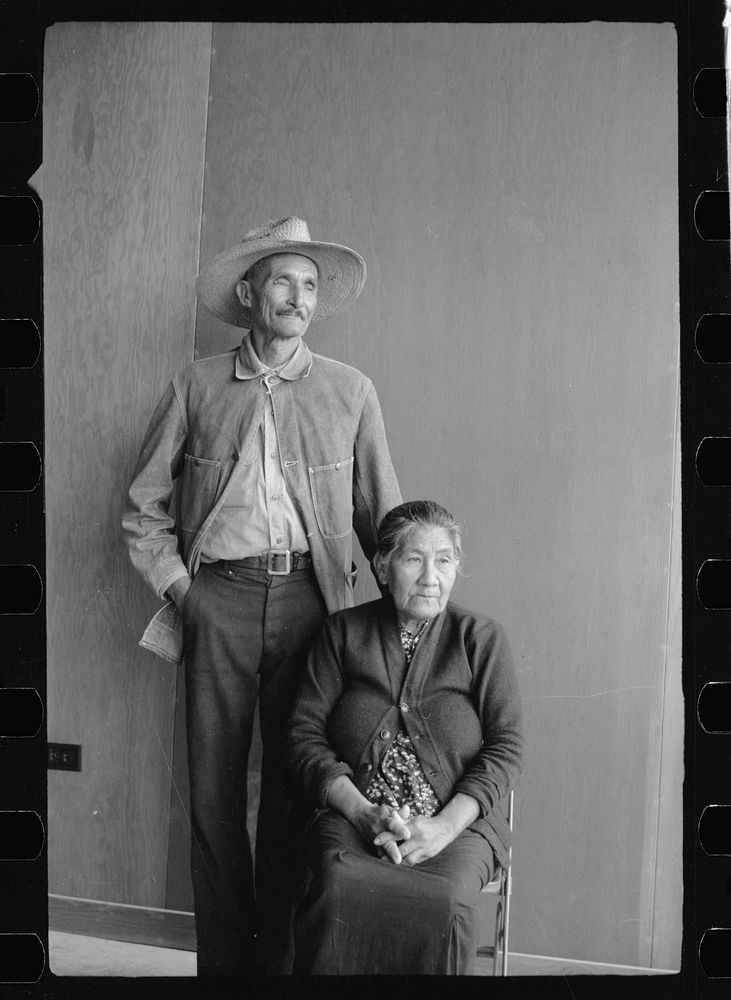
{"x": 342, "y": 271}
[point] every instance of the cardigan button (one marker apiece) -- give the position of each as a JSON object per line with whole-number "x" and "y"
{"x": 385, "y": 734}
{"x": 404, "y": 707}
{"x": 366, "y": 767}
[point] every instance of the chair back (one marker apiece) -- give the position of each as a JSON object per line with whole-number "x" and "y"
{"x": 502, "y": 887}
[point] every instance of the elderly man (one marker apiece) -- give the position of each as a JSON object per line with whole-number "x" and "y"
{"x": 273, "y": 454}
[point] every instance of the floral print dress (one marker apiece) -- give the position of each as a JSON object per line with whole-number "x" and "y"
{"x": 400, "y": 779}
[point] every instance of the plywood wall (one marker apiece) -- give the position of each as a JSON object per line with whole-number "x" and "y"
{"x": 121, "y": 182}
{"x": 513, "y": 190}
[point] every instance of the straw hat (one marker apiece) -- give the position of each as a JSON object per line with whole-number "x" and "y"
{"x": 342, "y": 272}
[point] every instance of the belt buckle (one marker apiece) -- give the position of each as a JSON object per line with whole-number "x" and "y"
{"x": 277, "y": 554}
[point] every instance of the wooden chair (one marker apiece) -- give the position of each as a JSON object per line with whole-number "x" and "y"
{"x": 502, "y": 887}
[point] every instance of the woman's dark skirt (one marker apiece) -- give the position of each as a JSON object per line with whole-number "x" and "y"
{"x": 363, "y": 915}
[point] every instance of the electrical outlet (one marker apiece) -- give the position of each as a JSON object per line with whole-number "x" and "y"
{"x": 64, "y": 756}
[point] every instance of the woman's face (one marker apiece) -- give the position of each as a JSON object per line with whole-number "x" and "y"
{"x": 420, "y": 574}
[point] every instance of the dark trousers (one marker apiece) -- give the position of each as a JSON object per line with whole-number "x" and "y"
{"x": 246, "y": 634}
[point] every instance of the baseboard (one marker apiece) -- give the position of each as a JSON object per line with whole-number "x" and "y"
{"x": 520, "y": 964}
{"x": 176, "y": 929}
{"x": 121, "y": 922}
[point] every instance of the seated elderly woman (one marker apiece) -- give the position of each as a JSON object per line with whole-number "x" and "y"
{"x": 406, "y": 735}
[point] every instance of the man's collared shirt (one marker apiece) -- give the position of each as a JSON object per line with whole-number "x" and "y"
{"x": 259, "y": 514}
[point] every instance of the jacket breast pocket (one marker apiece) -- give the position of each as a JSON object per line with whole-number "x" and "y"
{"x": 197, "y": 490}
{"x": 332, "y": 496}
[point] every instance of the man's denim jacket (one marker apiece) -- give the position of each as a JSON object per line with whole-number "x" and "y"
{"x": 336, "y": 464}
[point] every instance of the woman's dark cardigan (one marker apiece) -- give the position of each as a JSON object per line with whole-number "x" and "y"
{"x": 458, "y": 701}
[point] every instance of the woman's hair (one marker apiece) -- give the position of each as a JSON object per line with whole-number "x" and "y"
{"x": 395, "y": 526}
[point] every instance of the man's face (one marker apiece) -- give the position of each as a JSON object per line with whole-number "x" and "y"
{"x": 282, "y": 296}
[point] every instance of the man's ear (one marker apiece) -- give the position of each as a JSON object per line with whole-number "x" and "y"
{"x": 243, "y": 291}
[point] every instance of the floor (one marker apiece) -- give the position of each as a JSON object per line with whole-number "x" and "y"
{"x": 76, "y": 955}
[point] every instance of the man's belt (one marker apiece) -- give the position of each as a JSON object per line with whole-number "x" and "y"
{"x": 277, "y": 562}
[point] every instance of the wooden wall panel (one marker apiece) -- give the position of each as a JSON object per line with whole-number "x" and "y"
{"x": 124, "y": 127}
{"x": 513, "y": 189}
{"x": 668, "y": 898}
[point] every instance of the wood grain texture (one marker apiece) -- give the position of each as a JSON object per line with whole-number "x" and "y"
{"x": 513, "y": 189}
{"x": 179, "y": 889}
{"x": 124, "y": 126}
{"x": 118, "y": 922}
{"x": 667, "y": 926}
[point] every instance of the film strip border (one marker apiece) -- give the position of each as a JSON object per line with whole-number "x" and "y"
{"x": 23, "y": 853}
{"x": 706, "y": 447}
{"x": 706, "y": 444}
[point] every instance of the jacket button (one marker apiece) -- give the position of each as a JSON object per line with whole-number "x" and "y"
{"x": 367, "y": 767}
{"x": 385, "y": 734}
{"x": 404, "y": 707}
{"x": 337, "y": 465}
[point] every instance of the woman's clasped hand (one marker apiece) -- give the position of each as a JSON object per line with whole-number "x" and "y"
{"x": 412, "y": 838}
{"x": 388, "y": 829}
